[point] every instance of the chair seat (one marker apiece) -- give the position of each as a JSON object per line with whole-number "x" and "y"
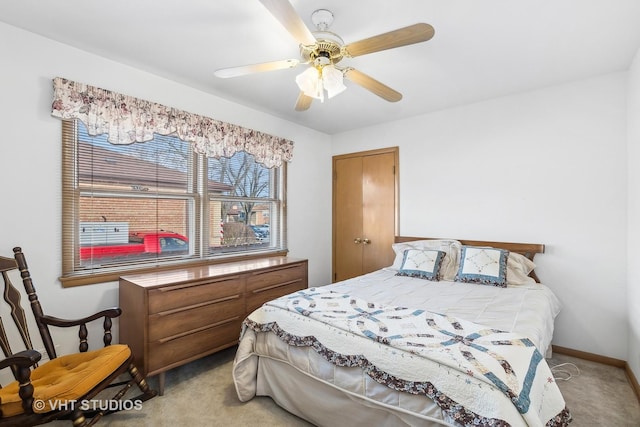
{"x": 65, "y": 379}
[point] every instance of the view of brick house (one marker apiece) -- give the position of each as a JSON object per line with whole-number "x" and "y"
{"x": 108, "y": 170}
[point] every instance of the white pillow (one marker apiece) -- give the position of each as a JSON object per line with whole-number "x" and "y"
{"x": 451, "y": 248}
{"x": 518, "y": 269}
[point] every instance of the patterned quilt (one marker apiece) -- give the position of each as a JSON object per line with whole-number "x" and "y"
{"x": 477, "y": 375}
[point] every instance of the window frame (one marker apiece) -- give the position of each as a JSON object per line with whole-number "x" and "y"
{"x": 71, "y": 276}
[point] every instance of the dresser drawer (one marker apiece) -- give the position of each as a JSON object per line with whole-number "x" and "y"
{"x": 171, "y": 322}
{"x": 173, "y": 351}
{"x": 177, "y": 296}
{"x": 276, "y": 276}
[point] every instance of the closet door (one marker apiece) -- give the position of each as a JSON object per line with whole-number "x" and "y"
{"x": 347, "y": 217}
{"x": 365, "y": 211}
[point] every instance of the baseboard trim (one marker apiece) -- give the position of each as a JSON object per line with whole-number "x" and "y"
{"x": 604, "y": 360}
{"x": 589, "y": 356}
{"x": 633, "y": 380}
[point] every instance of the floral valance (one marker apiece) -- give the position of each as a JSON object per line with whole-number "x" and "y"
{"x": 127, "y": 119}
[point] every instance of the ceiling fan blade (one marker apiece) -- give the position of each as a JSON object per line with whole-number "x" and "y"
{"x": 372, "y": 85}
{"x": 284, "y": 12}
{"x": 304, "y": 102}
{"x": 401, "y": 37}
{"x": 256, "y": 68}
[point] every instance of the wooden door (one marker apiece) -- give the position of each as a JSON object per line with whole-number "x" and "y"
{"x": 347, "y": 217}
{"x": 365, "y": 211}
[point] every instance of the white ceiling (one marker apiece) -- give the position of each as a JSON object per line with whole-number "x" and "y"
{"x": 481, "y": 49}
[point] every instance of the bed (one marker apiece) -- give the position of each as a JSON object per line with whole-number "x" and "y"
{"x": 454, "y": 333}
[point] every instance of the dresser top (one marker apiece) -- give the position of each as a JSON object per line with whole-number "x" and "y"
{"x": 190, "y": 274}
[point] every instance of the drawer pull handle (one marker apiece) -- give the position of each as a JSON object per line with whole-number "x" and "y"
{"x": 200, "y": 304}
{"x": 200, "y": 329}
{"x": 278, "y": 285}
{"x": 194, "y": 284}
{"x": 271, "y": 270}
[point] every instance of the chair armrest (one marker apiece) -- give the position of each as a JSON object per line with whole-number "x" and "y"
{"x": 65, "y": 323}
{"x": 21, "y": 364}
{"x": 107, "y": 314}
{"x": 23, "y": 359}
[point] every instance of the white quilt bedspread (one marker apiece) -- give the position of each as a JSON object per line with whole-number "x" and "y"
{"x": 529, "y": 310}
{"x": 475, "y": 373}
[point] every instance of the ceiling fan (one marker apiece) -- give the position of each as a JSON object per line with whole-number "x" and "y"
{"x": 322, "y": 50}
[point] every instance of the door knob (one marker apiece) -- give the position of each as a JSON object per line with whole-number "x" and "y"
{"x": 366, "y": 241}
{"x": 357, "y": 240}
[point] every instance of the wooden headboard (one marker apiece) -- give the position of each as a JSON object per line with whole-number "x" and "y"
{"x": 527, "y": 249}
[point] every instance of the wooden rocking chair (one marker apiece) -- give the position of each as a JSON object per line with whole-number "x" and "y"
{"x": 62, "y": 387}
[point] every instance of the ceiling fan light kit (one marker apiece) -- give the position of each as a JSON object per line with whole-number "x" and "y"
{"x": 332, "y": 80}
{"x": 323, "y": 49}
{"x": 315, "y": 80}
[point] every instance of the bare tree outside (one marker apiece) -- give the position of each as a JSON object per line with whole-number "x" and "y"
{"x": 250, "y": 182}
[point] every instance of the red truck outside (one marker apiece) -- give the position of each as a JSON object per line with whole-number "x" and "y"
{"x": 140, "y": 243}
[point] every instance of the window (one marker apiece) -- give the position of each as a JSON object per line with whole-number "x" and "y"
{"x": 243, "y": 214}
{"x": 158, "y": 203}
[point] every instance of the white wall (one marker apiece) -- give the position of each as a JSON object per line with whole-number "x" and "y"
{"x": 542, "y": 167}
{"x": 633, "y": 160}
{"x": 30, "y": 165}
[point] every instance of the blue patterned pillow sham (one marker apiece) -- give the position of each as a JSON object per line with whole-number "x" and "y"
{"x": 421, "y": 263}
{"x": 487, "y": 266}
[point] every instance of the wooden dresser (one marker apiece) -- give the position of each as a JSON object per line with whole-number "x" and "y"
{"x": 173, "y": 317}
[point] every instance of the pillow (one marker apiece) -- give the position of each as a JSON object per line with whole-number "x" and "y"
{"x": 487, "y": 266}
{"x": 451, "y": 248}
{"x": 518, "y": 269}
{"x": 421, "y": 263}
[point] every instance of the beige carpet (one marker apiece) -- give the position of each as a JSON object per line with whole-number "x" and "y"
{"x": 599, "y": 396}
{"x": 202, "y": 394}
